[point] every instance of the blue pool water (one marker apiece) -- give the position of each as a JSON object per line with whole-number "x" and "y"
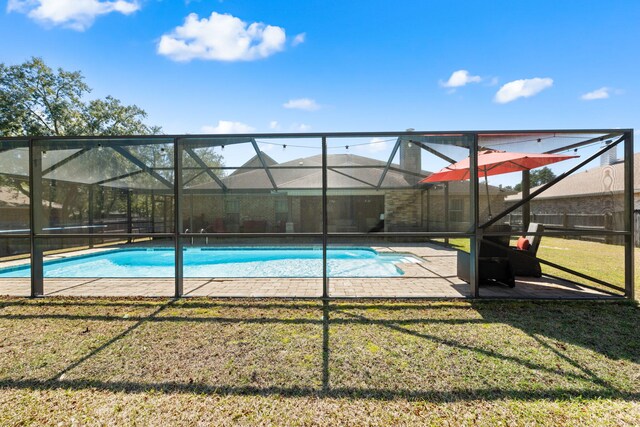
{"x": 223, "y": 262}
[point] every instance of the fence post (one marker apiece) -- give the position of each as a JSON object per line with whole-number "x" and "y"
{"x": 636, "y": 228}
{"x": 608, "y": 226}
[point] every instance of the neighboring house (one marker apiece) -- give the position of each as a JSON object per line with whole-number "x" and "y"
{"x": 591, "y": 198}
{"x": 14, "y": 209}
{"x": 361, "y": 191}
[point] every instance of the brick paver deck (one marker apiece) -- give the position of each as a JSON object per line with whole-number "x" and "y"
{"x": 434, "y": 276}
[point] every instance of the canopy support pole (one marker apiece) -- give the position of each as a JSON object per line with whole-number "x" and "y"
{"x": 486, "y": 186}
{"x": 526, "y": 208}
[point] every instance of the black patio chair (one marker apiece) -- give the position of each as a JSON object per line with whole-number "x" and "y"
{"x": 494, "y": 266}
{"x": 524, "y": 262}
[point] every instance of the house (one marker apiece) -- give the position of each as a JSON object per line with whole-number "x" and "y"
{"x": 263, "y": 195}
{"x": 593, "y": 198}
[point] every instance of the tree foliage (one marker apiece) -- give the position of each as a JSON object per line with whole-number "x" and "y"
{"x": 538, "y": 177}
{"x": 36, "y": 100}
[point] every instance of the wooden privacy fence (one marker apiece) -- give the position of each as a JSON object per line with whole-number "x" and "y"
{"x": 567, "y": 221}
{"x": 636, "y": 228}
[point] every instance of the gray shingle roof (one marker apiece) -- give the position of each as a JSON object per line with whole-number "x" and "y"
{"x": 306, "y": 173}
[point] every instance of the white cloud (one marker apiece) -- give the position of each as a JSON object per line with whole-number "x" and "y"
{"x": 274, "y": 125}
{"x": 523, "y": 88}
{"x": 222, "y": 37}
{"x": 75, "y": 14}
{"x": 300, "y": 38}
{"x": 602, "y": 93}
{"x": 376, "y": 145}
{"x": 460, "y": 78}
{"x": 305, "y": 104}
{"x": 226, "y": 127}
{"x": 300, "y": 127}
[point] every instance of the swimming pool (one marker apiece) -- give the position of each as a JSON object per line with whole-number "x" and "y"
{"x": 224, "y": 262}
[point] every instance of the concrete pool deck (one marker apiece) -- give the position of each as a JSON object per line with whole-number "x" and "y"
{"x": 433, "y": 277}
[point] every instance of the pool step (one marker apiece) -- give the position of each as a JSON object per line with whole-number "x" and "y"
{"x": 410, "y": 260}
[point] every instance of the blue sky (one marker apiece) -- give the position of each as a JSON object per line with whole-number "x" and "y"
{"x": 344, "y": 65}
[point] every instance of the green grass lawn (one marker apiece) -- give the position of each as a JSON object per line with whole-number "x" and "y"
{"x": 288, "y": 362}
{"x": 599, "y": 260}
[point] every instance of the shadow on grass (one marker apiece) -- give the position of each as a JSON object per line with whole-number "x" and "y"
{"x": 607, "y": 328}
{"x": 328, "y": 392}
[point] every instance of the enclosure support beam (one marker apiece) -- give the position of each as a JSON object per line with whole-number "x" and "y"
{"x": 583, "y": 143}
{"x": 263, "y": 163}
{"x": 64, "y": 161}
{"x": 628, "y": 217}
{"x": 325, "y": 222}
{"x": 142, "y": 165}
{"x": 36, "y": 214}
{"x": 389, "y": 162}
{"x": 177, "y": 217}
{"x": 202, "y": 164}
{"x": 116, "y": 178}
{"x": 428, "y": 209}
{"x": 129, "y": 213}
{"x": 433, "y": 151}
{"x": 474, "y": 244}
{"x": 91, "y": 212}
{"x": 351, "y": 177}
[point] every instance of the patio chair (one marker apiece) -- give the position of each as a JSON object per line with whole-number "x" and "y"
{"x": 524, "y": 261}
{"x": 494, "y": 265}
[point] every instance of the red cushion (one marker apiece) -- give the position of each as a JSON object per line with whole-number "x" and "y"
{"x": 523, "y": 244}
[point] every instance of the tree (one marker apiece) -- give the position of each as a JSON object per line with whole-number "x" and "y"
{"x": 37, "y": 101}
{"x": 109, "y": 117}
{"x": 538, "y": 177}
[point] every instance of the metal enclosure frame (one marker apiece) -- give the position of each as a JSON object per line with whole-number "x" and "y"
{"x": 186, "y": 143}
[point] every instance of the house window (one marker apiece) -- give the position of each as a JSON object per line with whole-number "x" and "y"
{"x": 456, "y": 210}
{"x": 232, "y": 212}
{"x": 282, "y": 210}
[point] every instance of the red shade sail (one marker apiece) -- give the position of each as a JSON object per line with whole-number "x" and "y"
{"x": 494, "y": 162}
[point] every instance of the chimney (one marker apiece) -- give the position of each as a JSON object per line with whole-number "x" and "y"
{"x": 610, "y": 156}
{"x": 410, "y": 160}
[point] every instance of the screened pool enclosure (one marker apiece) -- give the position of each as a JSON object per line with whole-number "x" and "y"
{"x": 317, "y": 215}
